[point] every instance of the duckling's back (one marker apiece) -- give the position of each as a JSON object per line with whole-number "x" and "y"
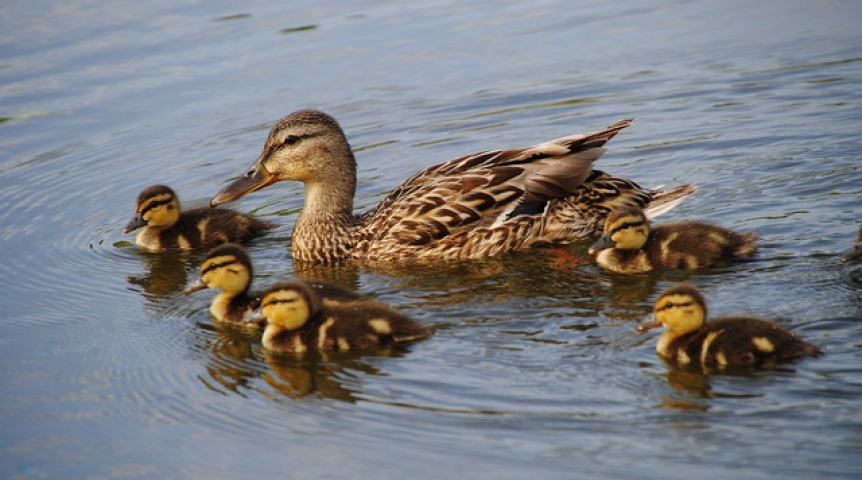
{"x": 206, "y": 227}
{"x": 692, "y": 245}
{"x": 744, "y": 341}
{"x": 364, "y": 324}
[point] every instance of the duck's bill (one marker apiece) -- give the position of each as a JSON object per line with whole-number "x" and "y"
{"x": 648, "y": 324}
{"x": 134, "y": 224}
{"x": 255, "y": 317}
{"x": 255, "y": 178}
{"x": 195, "y": 287}
{"x": 603, "y": 243}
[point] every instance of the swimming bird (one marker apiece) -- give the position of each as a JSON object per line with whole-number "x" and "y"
{"x": 728, "y": 341}
{"x": 630, "y": 245}
{"x": 166, "y": 228}
{"x": 297, "y": 320}
{"x": 476, "y": 206}
{"x": 228, "y": 268}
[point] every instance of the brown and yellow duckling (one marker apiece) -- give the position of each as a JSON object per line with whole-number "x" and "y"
{"x": 165, "y": 228}
{"x": 299, "y": 321}
{"x": 728, "y": 341}
{"x": 228, "y": 268}
{"x": 629, "y": 245}
{"x": 476, "y": 206}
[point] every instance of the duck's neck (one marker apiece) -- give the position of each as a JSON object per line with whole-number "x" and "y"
{"x": 324, "y": 229}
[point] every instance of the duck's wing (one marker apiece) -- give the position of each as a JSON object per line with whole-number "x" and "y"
{"x": 485, "y": 188}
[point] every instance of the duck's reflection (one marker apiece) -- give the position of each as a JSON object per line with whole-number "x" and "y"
{"x": 164, "y": 273}
{"x": 236, "y": 362}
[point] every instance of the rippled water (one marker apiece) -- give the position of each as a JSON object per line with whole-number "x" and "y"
{"x": 106, "y": 371}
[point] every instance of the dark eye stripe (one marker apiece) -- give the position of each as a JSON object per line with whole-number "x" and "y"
{"x": 276, "y": 301}
{"x": 216, "y": 266}
{"x": 672, "y": 305}
{"x": 154, "y": 204}
{"x": 627, "y": 225}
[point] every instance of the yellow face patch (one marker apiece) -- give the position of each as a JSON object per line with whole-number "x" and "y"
{"x": 679, "y": 313}
{"x": 226, "y": 273}
{"x": 629, "y": 232}
{"x": 160, "y": 210}
{"x": 286, "y": 308}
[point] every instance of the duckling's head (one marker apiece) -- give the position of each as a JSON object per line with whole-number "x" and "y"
{"x": 307, "y": 146}
{"x": 157, "y": 206}
{"x": 681, "y": 309}
{"x": 626, "y": 228}
{"x": 289, "y": 304}
{"x": 226, "y": 268}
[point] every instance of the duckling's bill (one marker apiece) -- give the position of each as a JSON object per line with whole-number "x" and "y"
{"x": 134, "y": 224}
{"x": 648, "y": 324}
{"x": 255, "y": 178}
{"x": 197, "y": 286}
{"x": 603, "y": 243}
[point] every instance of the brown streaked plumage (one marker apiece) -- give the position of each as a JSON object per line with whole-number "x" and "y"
{"x": 475, "y": 206}
{"x": 728, "y": 341}
{"x": 629, "y": 245}
{"x": 165, "y": 228}
{"x": 297, "y": 320}
{"x": 229, "y": 268}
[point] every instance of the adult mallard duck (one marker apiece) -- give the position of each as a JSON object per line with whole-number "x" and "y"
{"x": 629, "y": 245}
{"x": 166, "y": 228}
{"x": 741, "y": 341}
{"x": 476, "y": 206}
{"x": 298, "y": 320}
{"x": 228, "y": 268}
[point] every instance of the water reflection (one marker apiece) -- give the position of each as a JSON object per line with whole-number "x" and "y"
{"x": 235, "y": 362}
{"x": 165, "y": 274}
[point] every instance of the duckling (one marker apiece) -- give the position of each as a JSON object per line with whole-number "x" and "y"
{"x": 477, "y": 206}
{"x": 729, "y": 341}
{"x": 298, "y": 321}
{"x": 855, "y": 253}
{"x": 629, "y": 245}
{"x": 165, "y": 228}
{"x": 228, "y": 268}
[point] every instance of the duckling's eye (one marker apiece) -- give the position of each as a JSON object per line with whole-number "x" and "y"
{"x": 290, "y": 139}
{"x": 668, "y": 305}
{"x": 276, "y": 301}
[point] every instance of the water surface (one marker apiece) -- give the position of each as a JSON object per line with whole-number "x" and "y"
{"x": 106, "y": 371}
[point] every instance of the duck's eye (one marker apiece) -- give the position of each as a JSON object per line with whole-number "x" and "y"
{"x": 668, "y": 305}
{"x": 290, "y": 140}
{"x": 277, "y": 301}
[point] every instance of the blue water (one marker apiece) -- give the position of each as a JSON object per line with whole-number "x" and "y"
{"x": 106, "y": 371}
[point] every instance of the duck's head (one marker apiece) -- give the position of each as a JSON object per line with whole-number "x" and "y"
{"x": 307, "y": 146}
{"x": 681, "y": 309}
{"x": 289, "y": 304}
{"x": 157, "y": 206}
{"x": 226, "y": 268}
{"x": 626, "y": 228}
